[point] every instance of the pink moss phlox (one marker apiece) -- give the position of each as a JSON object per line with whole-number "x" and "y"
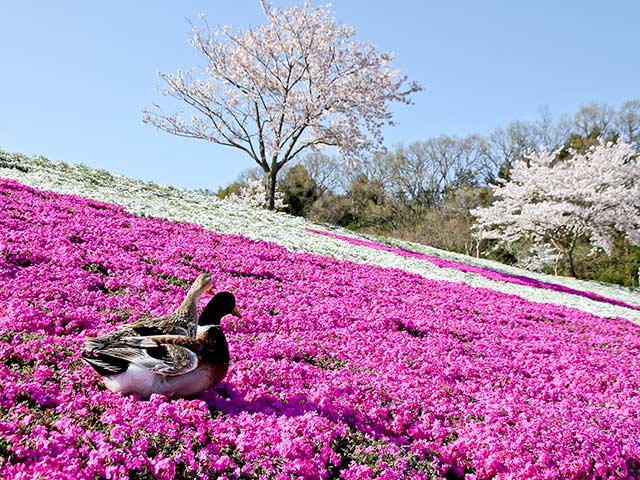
{"x": 339, "y": 370}
{"x": 484, "y": 272}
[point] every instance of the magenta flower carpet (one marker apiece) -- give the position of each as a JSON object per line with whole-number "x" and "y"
{"x": 484, "y": 272}
{"x": 339, "y": 370}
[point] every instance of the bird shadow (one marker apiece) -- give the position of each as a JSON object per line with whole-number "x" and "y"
{"x": 226, "y": 399}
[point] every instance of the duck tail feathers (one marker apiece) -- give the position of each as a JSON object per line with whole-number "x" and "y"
{"x": 105, "y": 365}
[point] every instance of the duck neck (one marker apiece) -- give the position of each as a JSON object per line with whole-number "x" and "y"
{"x": 212, "y": 320}
{"x": 190, "y": 303}
{"x": 215, "y": 345}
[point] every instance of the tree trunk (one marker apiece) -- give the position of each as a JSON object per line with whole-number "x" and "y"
{"x": 571, "y": 264}
{"x": 570, "y": 258}
{"x": 271, "y": 189}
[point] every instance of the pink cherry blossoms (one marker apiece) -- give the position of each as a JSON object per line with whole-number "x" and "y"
{"x": 552, "y": 202}
{"x": 339, "y": 370}
{"x": 300, "y": 81}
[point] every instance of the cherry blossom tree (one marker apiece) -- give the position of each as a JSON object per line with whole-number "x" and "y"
{"x": 300, "y": 81}
{"x": 553, "y": 203}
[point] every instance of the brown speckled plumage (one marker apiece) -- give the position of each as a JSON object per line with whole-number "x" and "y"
{"x": 183, "y": 321}
{"x": 172, "y": 365}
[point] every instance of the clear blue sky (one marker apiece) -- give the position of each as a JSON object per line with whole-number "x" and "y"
{"x": 75, "y": 75}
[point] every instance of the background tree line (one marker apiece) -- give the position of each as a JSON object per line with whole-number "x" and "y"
{"x": 425, "y": 191}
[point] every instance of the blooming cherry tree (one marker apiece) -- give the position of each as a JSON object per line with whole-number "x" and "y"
{"x": 555, "y": 202}
{"x": 298, "y": 82}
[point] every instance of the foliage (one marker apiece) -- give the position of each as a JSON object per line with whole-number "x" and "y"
{"x": 517, "y": 140}
{"x": 332, "y": 209}
{"x": 232, "y": 189}
{"x": 324, "y": 170}
{"x": 595, "y": 119}
{"x": 299, "y": 190}
{"x": 425, "y": 173}
{"x": 301, "y": 81}
{"x": 627, "y": 121}
{"x": 447, "y": 227}
{"x": 368, "y": 204}
{"x": 621, "y": 267}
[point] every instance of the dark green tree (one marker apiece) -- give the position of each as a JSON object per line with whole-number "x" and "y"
{"x": 299, "y": 190}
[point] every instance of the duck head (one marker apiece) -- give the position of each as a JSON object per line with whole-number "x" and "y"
{"x": 223, "y": 303}
{"x": 201, "y": 285}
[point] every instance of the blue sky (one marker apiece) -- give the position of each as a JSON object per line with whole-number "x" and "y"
{"x": 75, "y": 75}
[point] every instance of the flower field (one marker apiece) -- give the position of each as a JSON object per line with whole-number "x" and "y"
{"x": 351, "y": 362}
{"x": 485, "y": 272}
{"x": 294, "y": 233}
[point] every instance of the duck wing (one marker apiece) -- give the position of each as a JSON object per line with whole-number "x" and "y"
{"x": 96, "y": 344}
{"x": 173, "y": 324}
{"x": 145, "y": 327}
{"x": 164, "y": 354}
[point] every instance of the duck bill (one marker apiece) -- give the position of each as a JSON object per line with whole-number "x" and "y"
{"x": 236, "y": 313}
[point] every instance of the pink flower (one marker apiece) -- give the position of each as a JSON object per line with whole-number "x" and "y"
{"x": 337, "y": 368}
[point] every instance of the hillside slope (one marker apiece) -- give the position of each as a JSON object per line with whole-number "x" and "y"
{"x": 141, "y": 198}
{"x": 340, "y": 368}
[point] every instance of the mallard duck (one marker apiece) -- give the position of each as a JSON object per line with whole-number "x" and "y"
{"x": 183, "y": 321}
{"x": 172, "y": 365}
